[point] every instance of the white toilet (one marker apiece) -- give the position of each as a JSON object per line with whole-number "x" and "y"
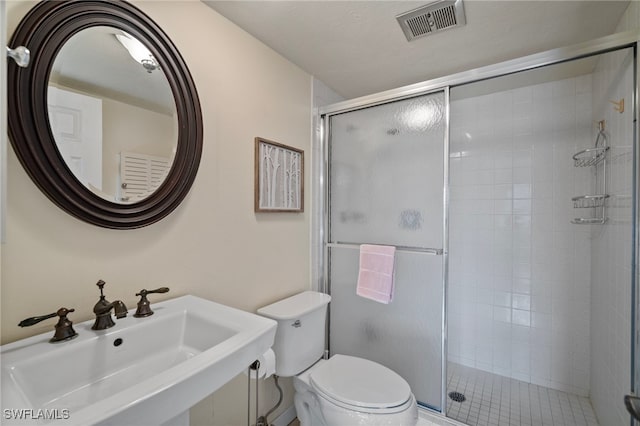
{"x": 342, "y": 390}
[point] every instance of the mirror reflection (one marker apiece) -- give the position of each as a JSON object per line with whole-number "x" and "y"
{"x": 112, "y": 114}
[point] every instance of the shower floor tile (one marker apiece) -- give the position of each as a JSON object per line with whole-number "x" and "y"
{"x": 493, "y": 400}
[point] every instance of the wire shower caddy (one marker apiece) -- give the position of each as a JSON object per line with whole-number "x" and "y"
{"x": 593, "y": 157}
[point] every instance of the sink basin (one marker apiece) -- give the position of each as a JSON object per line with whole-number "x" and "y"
{"x": 141, "y": 371}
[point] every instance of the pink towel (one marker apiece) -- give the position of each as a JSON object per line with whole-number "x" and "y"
{"x": 375, "y": 279}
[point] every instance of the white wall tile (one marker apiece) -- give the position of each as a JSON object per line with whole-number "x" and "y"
{"x": 521, "y": 317}
{"x": 501, "y": 314}
{"x": 532, "y": 265}
{"x": 521, "y": 286}
{"x": 521, "y": 301}
{"x": 611, "y": 248}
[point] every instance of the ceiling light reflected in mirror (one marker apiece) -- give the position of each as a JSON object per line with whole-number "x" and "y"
{"x": 138, "y": 51}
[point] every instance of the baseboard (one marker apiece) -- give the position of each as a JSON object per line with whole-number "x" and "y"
{"x": 286, "y": 417}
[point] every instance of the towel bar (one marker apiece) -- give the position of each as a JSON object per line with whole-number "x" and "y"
{"x": 425, "y": 250}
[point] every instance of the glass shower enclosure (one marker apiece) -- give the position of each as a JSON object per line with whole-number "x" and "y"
{"x": 514, "y": 258}
{"x": 386, "y": 180}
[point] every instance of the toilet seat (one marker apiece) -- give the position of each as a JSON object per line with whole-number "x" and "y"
{"x": 361, "y": 385}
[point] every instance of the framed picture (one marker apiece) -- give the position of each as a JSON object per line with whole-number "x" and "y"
{"x": 279, "y": 177}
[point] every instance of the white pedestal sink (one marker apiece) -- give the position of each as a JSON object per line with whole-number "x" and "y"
{"x": 142, "y": 371}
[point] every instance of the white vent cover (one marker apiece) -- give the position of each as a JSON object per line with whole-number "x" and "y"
{"x": 432, "y": 18}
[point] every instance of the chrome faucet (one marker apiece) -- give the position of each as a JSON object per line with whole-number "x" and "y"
{"x": 102, "y": 309}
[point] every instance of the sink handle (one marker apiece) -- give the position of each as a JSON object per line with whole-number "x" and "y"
{"x": 34, "y": 320}
{"x": 144, "y": 292}
{"x": 64, "y": 327}
{"x": 144, "y": 307}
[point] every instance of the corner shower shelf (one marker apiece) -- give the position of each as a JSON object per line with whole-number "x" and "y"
{"x": 588, "y": 221}
{"x": 589, "y": 201}
{"x": 592, "y": 157}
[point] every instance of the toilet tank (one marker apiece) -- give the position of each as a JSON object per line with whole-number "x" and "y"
{"x": 300, "y": 335}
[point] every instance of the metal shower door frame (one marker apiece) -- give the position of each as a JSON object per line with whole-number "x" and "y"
{"x": 443, "y": 251}
{"x": 618, "y": 41}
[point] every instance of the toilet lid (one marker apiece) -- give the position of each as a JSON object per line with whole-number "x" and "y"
{"x": 360, "y": 383}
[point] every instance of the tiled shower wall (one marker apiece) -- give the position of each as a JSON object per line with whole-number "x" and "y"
{"x": 519, "y": 271}
{"x": 611, "y": 246}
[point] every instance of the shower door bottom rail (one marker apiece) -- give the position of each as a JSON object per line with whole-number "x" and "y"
{"x": 425, "y": 250}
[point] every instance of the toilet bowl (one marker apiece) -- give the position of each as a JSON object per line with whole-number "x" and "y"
{"x": 343, "y": 390}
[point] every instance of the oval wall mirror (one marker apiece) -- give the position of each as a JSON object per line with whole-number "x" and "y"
{"x": 112, "y": 115}
{"x": 106, "y": 119}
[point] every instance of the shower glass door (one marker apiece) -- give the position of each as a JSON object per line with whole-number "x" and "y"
{"x": 386, "y": 186}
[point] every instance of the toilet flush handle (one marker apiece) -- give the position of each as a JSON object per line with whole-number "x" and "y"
{"x": 296, "y": 324}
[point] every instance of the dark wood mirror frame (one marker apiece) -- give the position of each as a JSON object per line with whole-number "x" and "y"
{"x": 44, "y": 30}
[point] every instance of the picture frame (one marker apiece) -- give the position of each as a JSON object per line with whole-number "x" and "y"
{"x": 279, "y": 177}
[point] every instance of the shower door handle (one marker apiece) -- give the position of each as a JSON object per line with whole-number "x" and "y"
{"x": 632, "y": 403}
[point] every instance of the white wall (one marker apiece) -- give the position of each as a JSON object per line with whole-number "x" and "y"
{"x": 518, "y": 269}
{"x": 630, "y": 20}
{"x": 213, "y": 245}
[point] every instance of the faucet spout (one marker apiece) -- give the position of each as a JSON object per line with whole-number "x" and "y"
{"x": 102, "y": 309}
{"x": 119, "y": 308}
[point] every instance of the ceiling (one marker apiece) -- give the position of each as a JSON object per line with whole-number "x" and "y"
{"x": 357, "y": 47}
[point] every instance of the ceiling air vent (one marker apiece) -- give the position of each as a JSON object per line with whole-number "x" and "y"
{"x": 431, "y": 18}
